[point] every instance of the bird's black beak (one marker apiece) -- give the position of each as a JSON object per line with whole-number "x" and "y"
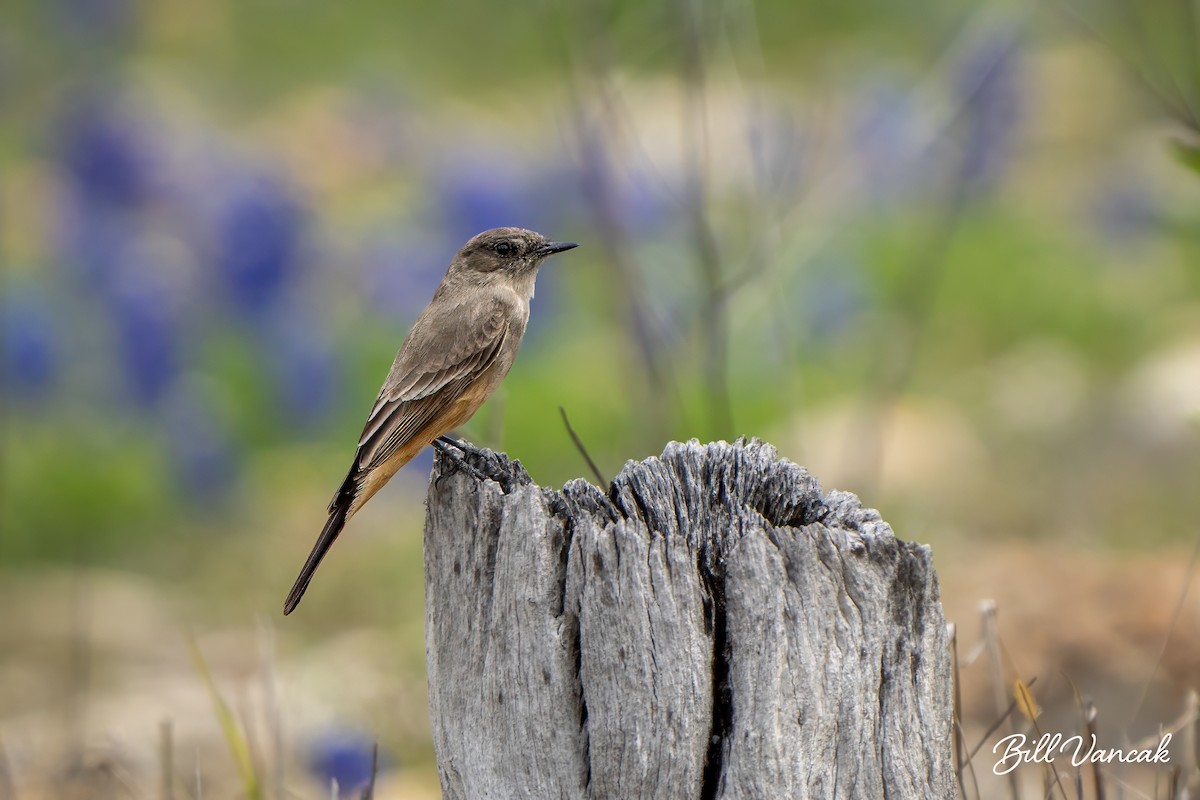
{"x": 550, "y": 248}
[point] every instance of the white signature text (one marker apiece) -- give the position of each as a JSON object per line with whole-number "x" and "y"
{"x": 1017, "y": 750}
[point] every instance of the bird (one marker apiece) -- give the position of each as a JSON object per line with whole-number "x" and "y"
{"x": 455, "y": 355}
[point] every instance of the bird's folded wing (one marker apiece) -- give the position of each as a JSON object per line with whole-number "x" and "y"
{"x": 421, "y": 387}
{"x": 403, "y": 419}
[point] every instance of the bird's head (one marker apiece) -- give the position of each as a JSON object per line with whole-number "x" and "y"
{"x": 510, "y": 251}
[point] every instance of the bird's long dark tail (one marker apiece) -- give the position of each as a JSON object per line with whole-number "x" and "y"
{"x": 337, "y": 520}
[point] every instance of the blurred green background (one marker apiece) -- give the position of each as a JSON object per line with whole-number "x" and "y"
{"x": 946, "y": 258}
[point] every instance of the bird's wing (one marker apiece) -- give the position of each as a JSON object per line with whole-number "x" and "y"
{"x": 430, "y": 372}
{"x": 398, "y": 419}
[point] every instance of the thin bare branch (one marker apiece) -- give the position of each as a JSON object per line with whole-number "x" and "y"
{"x": 582, "y": 450}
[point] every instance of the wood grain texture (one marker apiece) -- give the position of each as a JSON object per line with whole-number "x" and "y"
{"x": 712, "y": 626}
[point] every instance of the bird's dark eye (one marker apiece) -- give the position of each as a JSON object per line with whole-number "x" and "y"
{"x": 505, "y": 248}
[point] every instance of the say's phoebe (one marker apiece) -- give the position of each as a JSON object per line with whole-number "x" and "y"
{"x": 456, "y": 354}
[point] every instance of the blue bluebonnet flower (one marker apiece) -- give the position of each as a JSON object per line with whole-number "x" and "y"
{"x": 106, "y": 167}
{"x": 477, "y": 192}
{"x": 29, "y": 342}
{"x": 147, "y": 332}
{"x": 259, "y": 238}
{"x": 204, "y": 458}
{"x": 344, "y": 756}
{"x": 401, "y": 269}
{"x": 630, "y": 191}
{"x": 302, "y": 365}
{"x": 105, "y": 156}
{"x": 989, "y": 80}
{"x": 884, "y": 138}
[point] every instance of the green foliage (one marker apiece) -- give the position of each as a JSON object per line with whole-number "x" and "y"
{"x": 1187, "y": 154}
{"x": 77, "y": 493}
{"x": 235, "y": 737}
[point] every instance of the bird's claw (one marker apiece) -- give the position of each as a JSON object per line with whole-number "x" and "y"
{"x": 450, "y": 449}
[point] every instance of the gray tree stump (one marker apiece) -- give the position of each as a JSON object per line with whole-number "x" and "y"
{"x": 711, "y": 627}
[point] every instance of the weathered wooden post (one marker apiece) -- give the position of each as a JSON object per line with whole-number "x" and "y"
{"x": 712, "y": 627}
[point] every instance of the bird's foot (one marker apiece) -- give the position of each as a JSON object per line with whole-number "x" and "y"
{"x": 451, "y": 448}
{"x": 461, "y": 444}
